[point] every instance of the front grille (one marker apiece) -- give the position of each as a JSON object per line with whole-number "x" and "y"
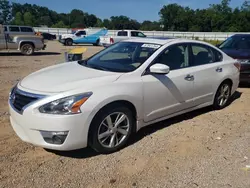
{"x": 21, "y": 101}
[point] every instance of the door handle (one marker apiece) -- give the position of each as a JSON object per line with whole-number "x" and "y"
{"x": 219, "y": 69}
{"x": 189, "y": 77}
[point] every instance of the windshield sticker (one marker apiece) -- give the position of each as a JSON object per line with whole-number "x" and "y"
{"x": 155, "y": 46}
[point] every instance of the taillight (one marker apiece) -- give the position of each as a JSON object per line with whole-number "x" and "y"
{"x": 111, "y": 40}
{"x": 237, "y": 65}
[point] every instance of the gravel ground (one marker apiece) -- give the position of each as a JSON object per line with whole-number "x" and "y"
{"x": 204, "y": 148}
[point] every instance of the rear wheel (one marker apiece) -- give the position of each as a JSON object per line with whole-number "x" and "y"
{"x": 27, "y": 49}
{"x": 69, "y": 42}
{"x": 222, "y": 96}
{"x": 111, "y": 129}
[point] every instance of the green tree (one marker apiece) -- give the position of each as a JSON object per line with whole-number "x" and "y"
{"x": 60, "y": 24}
{"x": 28, "y": 19}
{"x": 99, "y": 23}
{"x": 18, "y": 19}
{"x": 5, "y": 12}
{"x": 107, "y": 24}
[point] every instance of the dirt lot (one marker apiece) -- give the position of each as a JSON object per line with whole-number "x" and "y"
{"x": 201, "y": 149}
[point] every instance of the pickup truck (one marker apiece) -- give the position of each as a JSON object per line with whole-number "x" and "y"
{"x": 26, "y": 44}
{"x": 84, "y": 36}
{"x": 120, "y": 35}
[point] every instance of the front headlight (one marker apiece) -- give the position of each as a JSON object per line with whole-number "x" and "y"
{"x": 65, "y": 106}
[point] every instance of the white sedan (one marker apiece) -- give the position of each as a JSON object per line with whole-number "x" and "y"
{"x": 101, "y": 101}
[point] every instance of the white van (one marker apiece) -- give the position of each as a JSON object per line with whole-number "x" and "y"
{"x": 18, "y": 30}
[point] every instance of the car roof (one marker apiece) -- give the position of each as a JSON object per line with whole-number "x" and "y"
{"x": 241, "y": 35}
{"x": 163, "y": 41}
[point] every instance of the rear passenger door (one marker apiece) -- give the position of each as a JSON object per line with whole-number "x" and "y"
{"x": 208, "y": 72}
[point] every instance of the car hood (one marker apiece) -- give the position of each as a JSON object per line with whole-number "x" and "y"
{"x": 65, "y": 77}
{"x": 64, "y": 36}
{"x": 237, "y": 54}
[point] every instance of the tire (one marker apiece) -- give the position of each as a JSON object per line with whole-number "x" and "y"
{"x": 222, "y": 96}
{"x": 69, "y": 42}
{"x": 27, "y": 49}
{"x": 97, "y": 43}
{"x": 104, "y": 135}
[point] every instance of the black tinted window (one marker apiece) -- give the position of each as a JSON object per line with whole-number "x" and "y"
{"x": 218, "y": 57}
{"x": 176, "y": 57}
{"x": 122, "y": 33}
{"x": 26, "y": 29}
{"x": 14, "y": 29}
{"x": 79, "y": 33}
{"x": 137, "y": 34}
{"x": 243, "y": 43}
{"x": 5, "y": 28}
{"x": 202, "y": 55}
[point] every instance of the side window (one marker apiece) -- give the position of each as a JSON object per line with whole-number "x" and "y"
{"x": 141, "y": 34}
{"x": 14, "y": 29}
{"x": 26, "y": 29}
{"x": 218, "y": 57}
{"x": 176, "y": 57}
{"x": 5, "y": 28}
{"x": 243, "y": 44}
{"x": 202, "y": 55}
{"x": 122, "y": 33}
{"x": 137, "y": 34}
{"x": 83, "y": 32}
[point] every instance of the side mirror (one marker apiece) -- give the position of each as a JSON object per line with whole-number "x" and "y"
{"x": 159, "y": 69}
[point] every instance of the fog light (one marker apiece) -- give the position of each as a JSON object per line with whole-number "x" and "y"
{"x": 54, "y": 137}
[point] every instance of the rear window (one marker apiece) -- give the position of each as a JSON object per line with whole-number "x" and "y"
{"x": 26, "y": 29}
{"x": 122, "y": 33}
{"x": 14, "y": 29}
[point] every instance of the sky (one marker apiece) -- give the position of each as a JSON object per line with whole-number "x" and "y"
{"x": 136, "y": 9}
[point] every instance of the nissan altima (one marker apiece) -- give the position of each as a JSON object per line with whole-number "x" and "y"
{"x": 101, "y": 101}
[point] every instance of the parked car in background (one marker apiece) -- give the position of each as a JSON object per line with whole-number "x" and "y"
{"x": 26, "y": 44}
{"x": 238, "y": 47}
{"x": 120, "y": 36}
{"x": 13, "y": 30}
{"x": 101, "y": 101}
{"x": 48, "y": 36}
{"x": 85, "y": 36}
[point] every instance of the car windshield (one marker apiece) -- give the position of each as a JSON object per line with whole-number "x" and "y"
{"x": 228, "y": 43}
{"x": 121, "y": 57}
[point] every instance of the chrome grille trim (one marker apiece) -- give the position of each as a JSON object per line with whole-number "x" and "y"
{"x": 29, "y": 96}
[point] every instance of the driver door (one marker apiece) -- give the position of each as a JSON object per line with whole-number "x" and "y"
{"x": 171, "y": 93}
{"x": 80, "y": 36}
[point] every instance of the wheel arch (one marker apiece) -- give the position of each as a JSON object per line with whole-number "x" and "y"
{"x": 122, "y": 102}
{"x": 25, "y": 42}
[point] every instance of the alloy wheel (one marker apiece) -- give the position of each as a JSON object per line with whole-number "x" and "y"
{"x": 113, "y": 130}
{"x": 224, "y": 94}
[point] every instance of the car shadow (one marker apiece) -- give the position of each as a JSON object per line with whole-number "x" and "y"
{"x": 146, "y": 131}
{"x": 35, "y": 54}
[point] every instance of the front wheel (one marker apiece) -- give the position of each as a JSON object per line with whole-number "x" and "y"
{"x": 69, "y": 42}
{"x": 222, "y": 96}
{"x": 111, "y": 129}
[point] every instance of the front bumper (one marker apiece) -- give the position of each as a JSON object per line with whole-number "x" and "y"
{"x": 31, "y": 125}
{"x": 62, "y": 41}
